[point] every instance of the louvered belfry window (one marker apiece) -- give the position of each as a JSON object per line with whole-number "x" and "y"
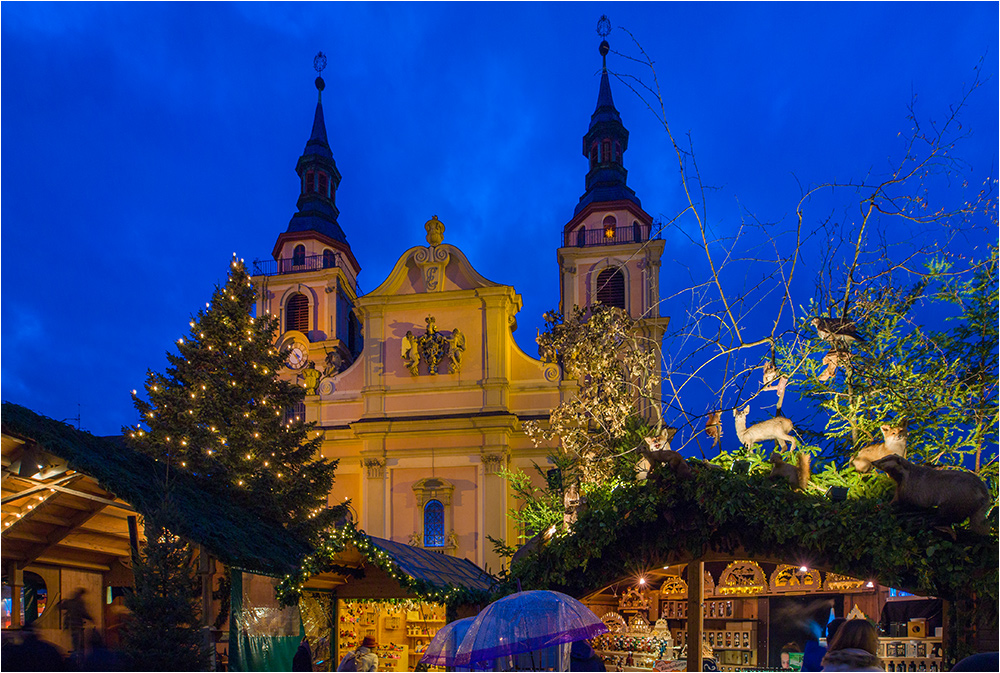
{"x": 434, "y": 524}
{"x": 297, "y": 313}
{"x": 611, "y": 287}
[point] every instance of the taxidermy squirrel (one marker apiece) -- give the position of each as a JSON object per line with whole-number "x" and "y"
{"x": 895, "y": 443}
{"x": 796, "y": 476}
{"x": 956, "y": 494}
{"x": 778, "y": 428}
{"x": 713, "y": 427}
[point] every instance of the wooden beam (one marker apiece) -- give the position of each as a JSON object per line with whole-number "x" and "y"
{"x": 72, "y": 563}
{"x": 40, "y": 486}
{"x": 60, "y": 533}
{"x": 84, "y": 495}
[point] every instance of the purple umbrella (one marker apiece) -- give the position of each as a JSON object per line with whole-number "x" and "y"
{"x": 524, "y": 622}
{"x": 444, "y": 648}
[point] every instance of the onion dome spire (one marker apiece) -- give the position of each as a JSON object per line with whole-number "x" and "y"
{"x": 318, "y": 175}
{"x": 605, "y": 141}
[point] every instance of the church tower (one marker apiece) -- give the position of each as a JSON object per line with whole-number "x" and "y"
{"x": 610, "y": 251}
{"x": 311, "y": 282}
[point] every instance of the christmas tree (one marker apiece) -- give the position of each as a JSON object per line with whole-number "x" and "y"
{"x": 163, "y": 631}
{"x": 221, "y": 412}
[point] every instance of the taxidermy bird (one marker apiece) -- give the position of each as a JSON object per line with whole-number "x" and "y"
{"x": 895, "y": 443}
{"x": 778, "y": 428}
{"x": 836, "y": 329}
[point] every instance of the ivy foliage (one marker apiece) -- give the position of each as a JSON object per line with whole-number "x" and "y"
{"x": 631, "y": 527}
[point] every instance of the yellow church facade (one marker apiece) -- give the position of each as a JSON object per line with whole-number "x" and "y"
{"x": 418, "y": 387}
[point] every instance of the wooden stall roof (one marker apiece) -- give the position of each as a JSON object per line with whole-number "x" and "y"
{"x": 72, "y": 509}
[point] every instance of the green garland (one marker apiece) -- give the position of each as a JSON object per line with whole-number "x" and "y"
{"x": 634, "y": 526}
{"x": 323, "y": 559}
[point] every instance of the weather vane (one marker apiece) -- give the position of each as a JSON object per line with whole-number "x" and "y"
{"x": 603, "y": 26}
{"x": 319, "y": 62}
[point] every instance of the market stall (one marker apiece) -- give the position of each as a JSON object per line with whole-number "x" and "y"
{"x": 754, "y": 616}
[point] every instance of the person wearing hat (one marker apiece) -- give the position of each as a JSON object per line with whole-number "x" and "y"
{"x": 361, "y": 659}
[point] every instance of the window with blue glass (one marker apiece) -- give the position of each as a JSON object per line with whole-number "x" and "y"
{"x": 434, "y": 524}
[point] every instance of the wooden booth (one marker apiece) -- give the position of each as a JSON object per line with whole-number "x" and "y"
{"x": 754, "y": 616}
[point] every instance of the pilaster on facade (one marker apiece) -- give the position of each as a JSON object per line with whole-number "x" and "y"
{"x": 374, "y": 467}
{"x": 494, "y": 463}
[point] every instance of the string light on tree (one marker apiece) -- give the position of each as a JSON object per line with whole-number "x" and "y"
{"x": 224, "y": 372}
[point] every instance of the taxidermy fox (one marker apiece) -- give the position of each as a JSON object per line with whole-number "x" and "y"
{"x": 895, "y": 443}
{"x": 796, "y": 476}
{"x": 778, "y": 428}
{"x": 956, "y": 494}
{"x": 657, "y": 450}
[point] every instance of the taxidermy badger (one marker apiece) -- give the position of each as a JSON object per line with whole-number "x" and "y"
{"x": 895, "y": 443}
{"x": 956, "y": 494}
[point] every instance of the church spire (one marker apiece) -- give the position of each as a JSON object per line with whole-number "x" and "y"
{"x": 604, "y": 144}
{"x": 318, "y": 176}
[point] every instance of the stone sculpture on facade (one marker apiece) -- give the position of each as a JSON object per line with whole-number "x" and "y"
{"x": 432, "y": 347}
{"x": 409, "y": 352}
{"x": 310, "y": 376}
{"x": 456, "y": 349}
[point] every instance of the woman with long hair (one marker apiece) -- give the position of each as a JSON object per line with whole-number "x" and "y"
{"x": 854, "y": 648}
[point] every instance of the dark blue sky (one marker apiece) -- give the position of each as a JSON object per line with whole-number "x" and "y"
{"x": 145, "y": 143}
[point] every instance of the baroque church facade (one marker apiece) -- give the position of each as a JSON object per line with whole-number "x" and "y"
{"x": 418, "y": 386}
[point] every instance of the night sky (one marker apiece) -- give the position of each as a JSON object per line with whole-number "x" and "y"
{"x": 144, "y": 144}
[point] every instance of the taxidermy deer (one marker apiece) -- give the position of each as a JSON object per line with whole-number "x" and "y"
{"x": 796, "y": 476}
{"x": 954, "y": 494}
{"x": 713, "y": 427}
{"x": 778, "y": 428}
{"x": 836, "y": 329}
{"x": 894, "y": 444}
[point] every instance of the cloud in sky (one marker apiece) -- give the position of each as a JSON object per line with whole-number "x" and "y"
{"x": 144, "y": 143}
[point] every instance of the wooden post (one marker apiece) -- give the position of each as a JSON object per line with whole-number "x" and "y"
{"x": 695, "y": 614}
{"x": 16, "y": 574}
{"x": 205, "y": 570}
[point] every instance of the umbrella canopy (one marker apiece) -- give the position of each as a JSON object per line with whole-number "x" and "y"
{"x": 527, "y": 621}
{"x": 444, "y": 648}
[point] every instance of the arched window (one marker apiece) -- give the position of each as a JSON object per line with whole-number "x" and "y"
{"x": 605, "y": 151}
{"x": 299, "y": 255}
{"x": 310, "y": 182}
{"x": 323, "y": 185}
{"x": 618, "y": 152}
{"x": 433, "y": 524}
{"x": 610, "y": 223}
{"x": 611, "y": 287}
{"x": 297, "y": 313}
{"x": 593, "y": 154}
{"x": 636, "y": 231}
{"x": 329, "y": 259}
{"x": 294, "y": 413}
{"x": 581, "y": 237}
